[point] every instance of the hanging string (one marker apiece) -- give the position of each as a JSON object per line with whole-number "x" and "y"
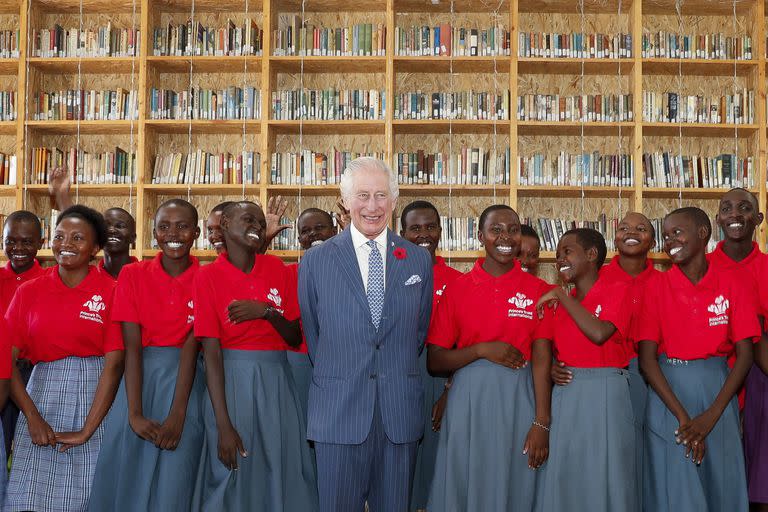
{"x": 497, "y": 98}
{"x": 302, "y": 53}
{"x": 679, "y": 117}
{"x": 452, "y": 107}
{"x": 582, "y": 115}
{"x": 133, "y": 109}
{"x": 744, "y": 99}
{"x": 619, "y": 156}
{"x": 191, "y": 104}
{"x": 80, "y": 106}
{"x": 25, "y": 177}
{"x": 244, "y": 53}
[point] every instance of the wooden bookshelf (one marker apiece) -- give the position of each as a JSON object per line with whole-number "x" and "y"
{"x": 388, "y": 135}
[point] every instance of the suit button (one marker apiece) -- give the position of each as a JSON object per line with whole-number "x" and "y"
{"x": 373, "y": 376}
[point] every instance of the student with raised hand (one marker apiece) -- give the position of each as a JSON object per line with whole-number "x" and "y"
{"x": 530, "y": 245}
{"x": 121, "y": 226}
{"x": 592, "y": 442}
{"x": 495, "y": 431}
{"x": 635, "y": 237}
{"x": 255, "y": 454}
{"x": 155, "y": 425}
{"x": 694, "y": 315}
{"x": 420, "y": 225}
{"x": 22, "y": 238}
{"x": 61, "y": 321}
{"x": 739, "y": 216}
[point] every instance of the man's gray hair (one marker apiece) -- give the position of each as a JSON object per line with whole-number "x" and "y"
{"x": 367, "y": 162}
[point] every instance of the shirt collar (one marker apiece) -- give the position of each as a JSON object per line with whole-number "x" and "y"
{"x": 359, "y": 239}
{"x": 34, "y": 271}
{"x": 719, "y": 253}
{"x": 479, "y": 274}
{"x": 614, "y": 271}
{"x": 156, "y": 265}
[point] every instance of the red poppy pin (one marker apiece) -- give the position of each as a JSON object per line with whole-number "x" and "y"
{"x": 399, "y": 253}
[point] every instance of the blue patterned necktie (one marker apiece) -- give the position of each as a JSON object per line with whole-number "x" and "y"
{"x": 375, "y": 289}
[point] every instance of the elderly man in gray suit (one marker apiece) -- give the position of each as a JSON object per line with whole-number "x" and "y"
{"x": 366, "y": 298}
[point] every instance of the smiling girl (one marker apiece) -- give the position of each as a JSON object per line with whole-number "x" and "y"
{"x": 593, "y": 443}
{"x": 695, "y": 314}
{"x": 255, "y": 454}
{"x": 61, "y": 322}
{"x": 496, "y": 424}
{"x": 155, "y": 427}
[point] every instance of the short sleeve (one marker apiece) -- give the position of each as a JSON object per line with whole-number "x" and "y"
{"x": 125, "y": 305}
{"x": 207, "y": 324}
{"x": 291, "y": 297}
{"x": 743, "y": 310}
{"x": 16, "y": 324}
{"x": 647, "y": 325}
{"x": 443, "y": 329}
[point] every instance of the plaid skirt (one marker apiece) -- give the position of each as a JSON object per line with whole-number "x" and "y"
{"x": 43, "y": 479}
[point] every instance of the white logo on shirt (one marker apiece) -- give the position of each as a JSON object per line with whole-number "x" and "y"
{"x": 598, "y": 310}
{"x": 274, "y": 296}
{"x": 190, "y": 317}
{"x": 439, "y": 292}
{"x": 95, "y": 306}
{"x": 522, "y": 303}
{"x": 720, "y": 309}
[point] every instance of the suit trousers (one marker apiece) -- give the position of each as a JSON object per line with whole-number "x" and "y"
{"x": 377, "y": 471}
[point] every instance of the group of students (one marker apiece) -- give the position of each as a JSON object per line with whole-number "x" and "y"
{"x": 122, "y": 412}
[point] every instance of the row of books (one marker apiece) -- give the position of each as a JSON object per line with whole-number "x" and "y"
{"x": 9, "y": 44}
{"x": 550, "y": 230}
{"x": 658, "y": 224}
{"x": 696, "y": 46}
{"x": 586, "y": 108}
{"x": 668, "y": 169}
{"x": 47, "y": 226}
{"x": 203, "y": 167}
{"x": 7, "y": 169}
{"x": 86, "y": 105}
{"x": 110, "y": 167}
{"x": 671, "y": 107}
{"x": 360, "y": 40}
{"x": 447, "y": 40}
{"x": 458, "y": 233}
{"x": 8, "y": 106}
{"x": 104, "y": 41}
{"x": 476, "y": 105}
{"x": 230, "y": 103}
{"x": 467, "y": 166}
{"x": 565, "y": 169}
{"x": 194, "y": 38}
{"x": 312, "y": 168}
{"x": 328, "y": 104}
{"x": 575, "y": 45}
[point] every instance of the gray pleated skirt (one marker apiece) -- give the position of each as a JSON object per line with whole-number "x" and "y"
{"x": 480, "y": 463}
{"x": 301, "y": 369}
{"x": 674, "y": 482}
{"x": 591, "y": 463}
{"x": 278, "y": 474}
{"x": 638, "y": 394}
{"x": 133, "y": 475}
{"x": 43, "y": 479}
{"x": 427, "y": 449}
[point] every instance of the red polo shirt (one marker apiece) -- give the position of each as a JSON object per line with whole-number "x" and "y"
{"x": 101, "y": 268}
{"x": 219, "y": 284}
{"x": 10, "y": 282}
{"x": 756, "y": 264}
{"x": 478, "y": 307}
{"x": 607, "y": 300}
{"x": 147, "y": 295}
{"x": 48, "y": 321}
{"x": 442, "y": 275}
{"x": 698, "y": 321}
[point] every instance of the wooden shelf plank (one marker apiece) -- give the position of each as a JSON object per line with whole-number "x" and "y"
{"x": 88, "y": 65}
{"x": 202, "y": 189}
{"x": 86, "y": 127}
{"x": 696, "y": 7}
{"x": 567, "y": 66}
{"x": 454, "y": 190}
{"x": 203, "y": 125}
{"x": 698, "y": 67}
{"x": 329, "y": 5}
{"x": 354, "y": 127}
{"x": 443, "y": 126}
{"x": 89, "y": 6}
{"x": 88, "y": 189}
{"x": 699, "y": 129}
{"x": 570, "y": 6}
{"x": 459, "y": 6}
{"x": 9, "y": 66}
{"x": 205, "y": 64}
{"x": 7, "y": 190}
{"x": 689, "y": 193}
{"x": 656, "y": 257}
{"x": 185, "y": 6}
{"x": 329, "y": 64}
{"x": 306, "y": 190}
{"x": 574, "y": 191}
{"x": 7, "y": 127}
{"x": 432, "y": 64}
{"x": 572, "y": 128}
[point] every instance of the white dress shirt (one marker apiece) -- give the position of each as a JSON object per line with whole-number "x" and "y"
{"x": 363, "y": 251}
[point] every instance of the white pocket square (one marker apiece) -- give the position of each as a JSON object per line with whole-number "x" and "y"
{"x": 413, "y": 280}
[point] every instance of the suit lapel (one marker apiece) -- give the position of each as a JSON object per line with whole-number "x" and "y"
{"x": 350, "y": 269}
{"x": 396, "y": 270}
